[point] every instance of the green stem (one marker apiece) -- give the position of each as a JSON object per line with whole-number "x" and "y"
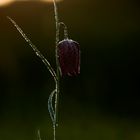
{"x": 65, "y": 29}
{"x": 57, "y": 66}
{"x": 56, "y": 76}
{"x": 56, "y": 21}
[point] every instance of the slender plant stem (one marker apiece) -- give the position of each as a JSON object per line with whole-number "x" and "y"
{"x": 65, "y": 29}
{"x": 53, "y": 112}
{"x": 56, "y": 76}
{"x": 58, "y": 72}
{"x": 56, "y": 21}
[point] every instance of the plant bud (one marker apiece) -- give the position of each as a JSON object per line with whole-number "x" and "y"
{"x": 69, "y": 57}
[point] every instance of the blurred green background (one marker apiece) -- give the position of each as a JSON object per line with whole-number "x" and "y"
{"x": 103, "y": 102}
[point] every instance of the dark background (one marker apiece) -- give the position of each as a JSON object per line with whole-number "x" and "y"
{"x": 103, "y": 102}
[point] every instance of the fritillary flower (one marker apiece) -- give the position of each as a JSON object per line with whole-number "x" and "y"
{"x": 69, "y": 57}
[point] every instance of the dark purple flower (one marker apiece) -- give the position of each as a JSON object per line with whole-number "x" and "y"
{"x": 69, "y": 57}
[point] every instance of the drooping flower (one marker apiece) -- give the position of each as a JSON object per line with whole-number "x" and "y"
{"x": 69, "y": 57}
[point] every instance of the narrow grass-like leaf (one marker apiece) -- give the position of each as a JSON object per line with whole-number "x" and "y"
{"x": 50, "y": 106}
{"x": 38, "y": 53}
